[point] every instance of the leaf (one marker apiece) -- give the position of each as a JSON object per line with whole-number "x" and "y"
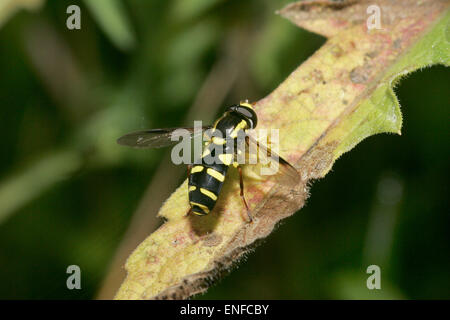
{"x": 339, "y": 96}
{"x": 22, "y": 187}
{"x": 187, "y": 10}
{"x": 110, "y": 15}
{"x": 8, "y": 8}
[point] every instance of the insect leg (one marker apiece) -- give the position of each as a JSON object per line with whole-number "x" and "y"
{"x": 189, "y": 167}
{"x": 189, "y": 213}
{"x": 241, "y": 183}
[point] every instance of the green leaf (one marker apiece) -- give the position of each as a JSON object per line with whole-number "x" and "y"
{"x": 8, "y": 8}
{"x": 19, "y": 189}
{"x": 112, "y": 18}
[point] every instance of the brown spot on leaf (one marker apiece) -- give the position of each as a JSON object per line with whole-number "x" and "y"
{"x": 397, "y": 44}
{"x": 373, "y": 54}
{"x": 317, "y": 75}
{"x": 337, "y": 51}
{"x": 317, "y": 160}
{"x": 359, "y": 75}
{"x": 212, "y": 240}
{"x": 303, "y": 91}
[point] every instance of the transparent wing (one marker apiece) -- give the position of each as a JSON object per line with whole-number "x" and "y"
{"x": 286, "y": 173}
{"x": 158, "y": 138}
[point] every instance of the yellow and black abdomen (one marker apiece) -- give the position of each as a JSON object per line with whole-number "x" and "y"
{"x": 205, "y": 183}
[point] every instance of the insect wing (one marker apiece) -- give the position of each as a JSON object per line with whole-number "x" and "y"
{"x": 286, "y": 174}
{"x": 158, "y": 138}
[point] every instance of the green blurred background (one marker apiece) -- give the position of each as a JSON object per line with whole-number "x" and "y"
{"x": 68, "y": 193}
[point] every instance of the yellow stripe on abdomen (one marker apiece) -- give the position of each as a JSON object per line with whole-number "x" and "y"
{"x": 202, "y": 206}
{"x": 216, "y": 174}
{"x": 197, "y": 169}
{"x": 208, "y": 193}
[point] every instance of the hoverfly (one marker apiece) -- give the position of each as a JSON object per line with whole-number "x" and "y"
{"x": 205, "y": 180}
